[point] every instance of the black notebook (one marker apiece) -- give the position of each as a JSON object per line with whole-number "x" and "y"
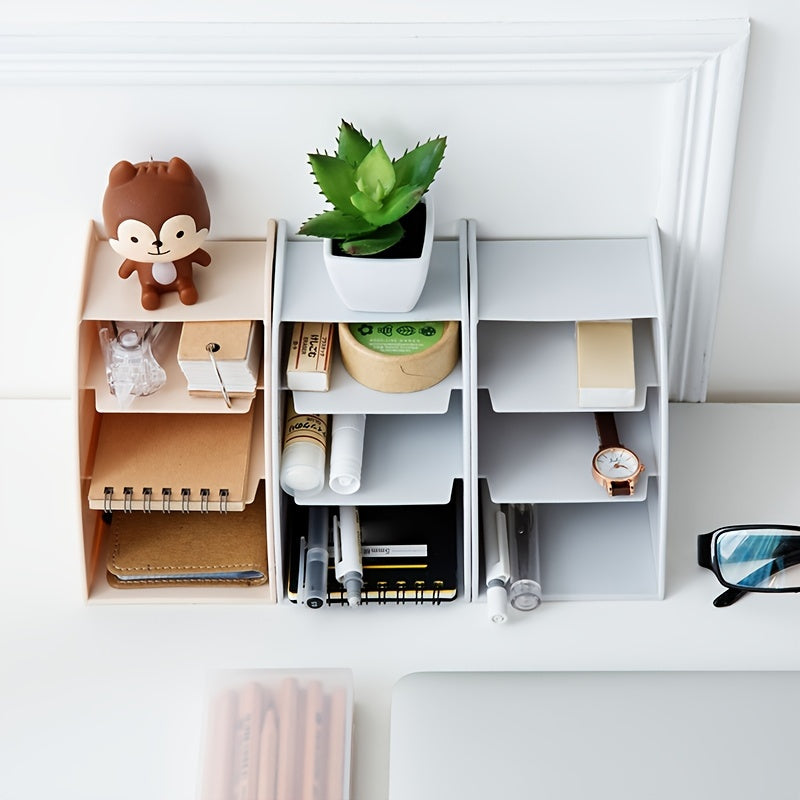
{"x": 409, "y": 553}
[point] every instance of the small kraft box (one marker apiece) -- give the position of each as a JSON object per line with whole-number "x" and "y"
{"x": 309, "y": 364}
{"x": 278, "y": 735}
{"x": 606, "y": 376}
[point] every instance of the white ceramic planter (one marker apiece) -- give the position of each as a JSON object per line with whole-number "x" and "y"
{"x": 386, "y": 285}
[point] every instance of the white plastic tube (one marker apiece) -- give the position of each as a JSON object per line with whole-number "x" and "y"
{"x": 347, "y": 451}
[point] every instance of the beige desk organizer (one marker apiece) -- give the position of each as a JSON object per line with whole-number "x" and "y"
{"x": 171, "y": 439}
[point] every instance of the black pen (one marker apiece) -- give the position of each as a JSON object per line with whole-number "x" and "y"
{"x": 316, "y": 568}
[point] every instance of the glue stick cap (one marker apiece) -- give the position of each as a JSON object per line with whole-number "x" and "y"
{"x": 347, "y": 449}
{"x": 303, "y": 468}
{"x": 497, "y": 600}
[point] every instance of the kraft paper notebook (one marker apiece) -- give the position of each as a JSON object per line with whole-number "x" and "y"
{"x": 175, "y": 549}
{"x": 237, "y": 355}
{"x": 172, "y": 462}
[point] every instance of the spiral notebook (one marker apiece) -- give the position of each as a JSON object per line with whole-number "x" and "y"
{"x": 178, "y": 549}
{"x": 409, "y": 554}
{"x": 172, "y": 462}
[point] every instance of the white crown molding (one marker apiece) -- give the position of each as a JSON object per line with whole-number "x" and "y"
{"x": 704, "y": 62}
{"x": 313, "y": 53}
{"x": 693, "y": 211}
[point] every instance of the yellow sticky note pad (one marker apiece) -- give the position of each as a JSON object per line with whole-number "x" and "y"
{"x": 606, "y": 375}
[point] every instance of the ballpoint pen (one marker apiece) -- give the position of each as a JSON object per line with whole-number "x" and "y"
{"x": 496, "y": 556}
{"x": 347, "y": 553}
{"x": 314, "y": 580}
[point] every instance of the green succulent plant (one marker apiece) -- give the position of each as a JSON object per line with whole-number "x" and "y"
{"x": 370, "y": 192}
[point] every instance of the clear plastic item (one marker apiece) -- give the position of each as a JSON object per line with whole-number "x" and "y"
{"x": 131, "y": 366}
{"x": 278, "y": 734}
{"x": 524, "y": 591}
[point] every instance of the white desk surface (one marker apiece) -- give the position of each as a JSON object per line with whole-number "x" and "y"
{"x": 107, "y": 701}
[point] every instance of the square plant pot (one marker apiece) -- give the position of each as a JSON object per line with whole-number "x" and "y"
{"x": 386, "y": 285}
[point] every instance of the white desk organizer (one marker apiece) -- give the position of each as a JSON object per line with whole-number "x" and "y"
{"x": 427, "y": 430}
{"x": 531, "y": 440}
{"x": 507, "y": 414}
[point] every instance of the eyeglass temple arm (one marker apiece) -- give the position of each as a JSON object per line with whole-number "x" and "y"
{"x": 704, "y": 550}
{"x": 729, "y": 597}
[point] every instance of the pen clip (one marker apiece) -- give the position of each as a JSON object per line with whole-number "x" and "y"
{"x": 301, "y": 572}
{"x": 503, "y": 565}
{"x": 337, "y": 548}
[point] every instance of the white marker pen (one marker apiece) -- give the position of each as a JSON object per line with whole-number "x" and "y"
{"x": 347, "y": 553}
{"x": 496, "y": 556}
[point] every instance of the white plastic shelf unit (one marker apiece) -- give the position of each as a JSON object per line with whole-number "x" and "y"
{"x": 416, "y": 444}
{"x": 533, "y": 443}
{"x": 235, "y": 286}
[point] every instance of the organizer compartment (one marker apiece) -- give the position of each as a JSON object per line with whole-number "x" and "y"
{"x": 532, "y": 441}
{"x": 600, "y": 551}
{"x": 235, "y": 286}
{"x": 416, "y": 444}
{"x": 546, "y": 350}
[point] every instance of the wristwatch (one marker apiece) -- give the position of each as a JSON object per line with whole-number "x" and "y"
{"x": 614, "y": 466}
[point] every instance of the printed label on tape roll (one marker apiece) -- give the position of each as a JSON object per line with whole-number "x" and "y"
{"x": 397, "y": 338}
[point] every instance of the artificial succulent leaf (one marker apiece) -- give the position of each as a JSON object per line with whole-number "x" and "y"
{"x": 396, "y": 205}
{"x": 353, "y": 146}
{"x": 364, "y": 203}
{"x": 375, "y": 242}
{"x": 335, "y": 225}
{"x": 336, "y": 179}
{"x": 375, "y": 175}
{"x": 419, "y": 166}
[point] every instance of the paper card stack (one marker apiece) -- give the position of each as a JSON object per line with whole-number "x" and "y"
{"x": 237, "y": 354}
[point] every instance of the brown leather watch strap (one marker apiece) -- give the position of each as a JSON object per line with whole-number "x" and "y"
{"x": 606, "y": 429}
{"x": 620, "y": 488}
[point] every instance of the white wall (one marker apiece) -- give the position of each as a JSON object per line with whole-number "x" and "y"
{"x": 521, "y": 160}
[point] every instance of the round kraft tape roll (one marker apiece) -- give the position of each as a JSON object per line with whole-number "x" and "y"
{"x": 399, "y": 356}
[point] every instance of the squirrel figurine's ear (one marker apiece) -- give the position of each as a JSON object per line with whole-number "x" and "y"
{"x": 121, "y": 173}
{"x": 179, "y": 170}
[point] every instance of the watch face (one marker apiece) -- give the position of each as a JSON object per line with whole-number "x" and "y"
{"x": 616, "y": 463}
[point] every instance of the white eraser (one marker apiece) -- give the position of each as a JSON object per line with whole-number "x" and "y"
{"x": 309, "y": 365}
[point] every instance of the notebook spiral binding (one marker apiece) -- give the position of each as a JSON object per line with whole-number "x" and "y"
{"x": 166, "y": 500}
{"x": 399, "y": 593}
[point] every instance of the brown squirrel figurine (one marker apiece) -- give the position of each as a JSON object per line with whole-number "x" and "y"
{"x": 156, "y": 216}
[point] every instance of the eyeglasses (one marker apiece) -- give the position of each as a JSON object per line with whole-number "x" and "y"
{"x": 751, "y": 558}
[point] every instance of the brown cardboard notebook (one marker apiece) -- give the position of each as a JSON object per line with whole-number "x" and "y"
{"x": 232, "y": 336}
{"x": 192, "y": 462}
{"x": 165, "y": 549}
{"x": 237, "y": 355}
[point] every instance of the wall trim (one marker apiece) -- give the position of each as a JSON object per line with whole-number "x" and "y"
{"x": 703, "y": 60}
